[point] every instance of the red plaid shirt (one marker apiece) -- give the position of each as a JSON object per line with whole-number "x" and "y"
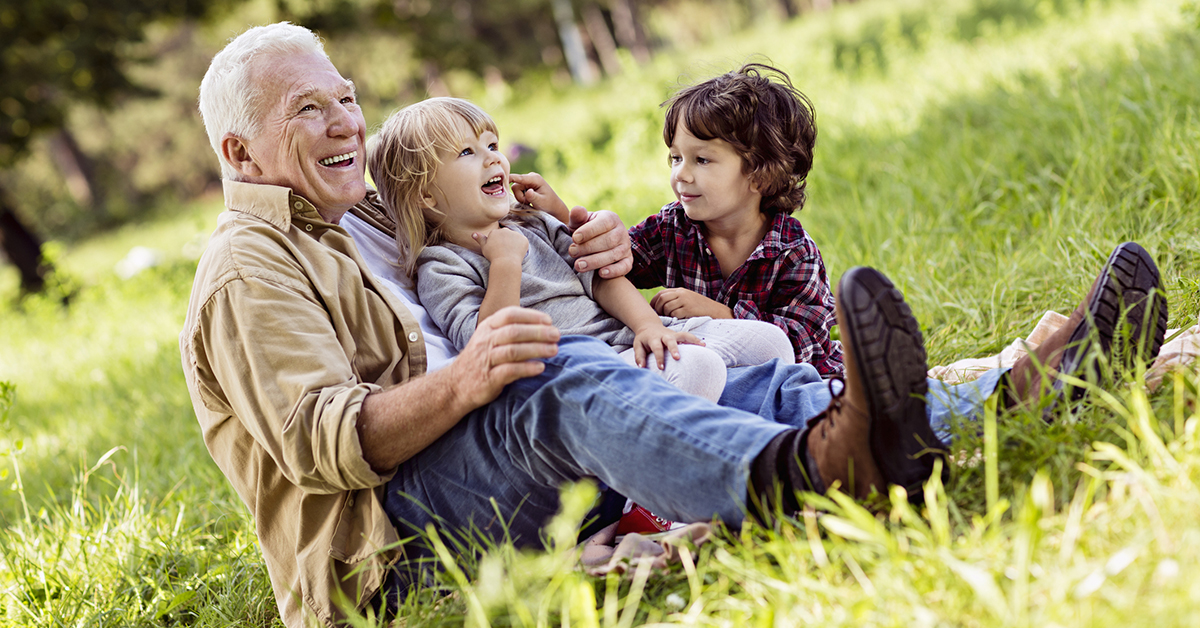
{"x": 783, "y": 282}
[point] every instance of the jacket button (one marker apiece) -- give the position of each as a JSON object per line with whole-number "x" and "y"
{"x": 308, "y": 227}
{"x": 412, "y": 336}
{"x": 298, "y": 205}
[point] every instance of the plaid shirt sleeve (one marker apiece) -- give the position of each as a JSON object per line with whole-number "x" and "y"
{"x": 649, "y": 253}
{"x": 793, "y": 293}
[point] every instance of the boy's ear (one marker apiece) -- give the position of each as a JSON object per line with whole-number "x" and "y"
{"x": 427, "y": 201}
{"x": 237, "y": 154}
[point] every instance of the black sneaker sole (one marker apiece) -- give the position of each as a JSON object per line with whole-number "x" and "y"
{"x": 890, "y": 352}
{"x": 1130, "y": 284}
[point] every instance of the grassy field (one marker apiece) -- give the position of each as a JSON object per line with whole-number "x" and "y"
{"x": 985, "y": 154}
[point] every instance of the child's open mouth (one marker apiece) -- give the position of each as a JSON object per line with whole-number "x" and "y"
{"x": 340, "y": 161}
{"x": 494, "y": 186}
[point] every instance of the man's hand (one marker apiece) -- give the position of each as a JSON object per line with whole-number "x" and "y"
{"x": 600, "y": 241}
{"x": 503, "y": 244}
{"x": 504, "y": 348}
{"x": 659, "y": 340}
{"x": 684, "y": 303}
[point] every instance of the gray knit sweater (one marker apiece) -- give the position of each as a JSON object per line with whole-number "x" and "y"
{"x": 452, "y": 281}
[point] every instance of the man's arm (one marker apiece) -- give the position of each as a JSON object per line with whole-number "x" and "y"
{"x": 397, "y": 423}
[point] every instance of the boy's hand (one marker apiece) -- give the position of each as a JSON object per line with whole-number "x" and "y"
{"x": 659, "y": 340}
{"x": 503, "y": 244}
{"x": 531, "y": 189}
{"x": 684, "y": 303}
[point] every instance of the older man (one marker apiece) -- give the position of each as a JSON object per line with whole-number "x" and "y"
{"x": 340, "y": 426}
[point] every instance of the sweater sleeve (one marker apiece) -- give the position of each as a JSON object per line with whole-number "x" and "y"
{"x": 452, "y": 289}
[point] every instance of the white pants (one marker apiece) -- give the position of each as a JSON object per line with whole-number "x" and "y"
{"x": 700, "y": 370}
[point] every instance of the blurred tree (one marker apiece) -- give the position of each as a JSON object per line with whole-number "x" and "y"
{"x": 57, "y": 53}
{"x": 482, "y": 37}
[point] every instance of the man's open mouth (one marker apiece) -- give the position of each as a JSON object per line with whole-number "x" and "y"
{"x": 343, "y": 159}
{"x": 494, "y": 186}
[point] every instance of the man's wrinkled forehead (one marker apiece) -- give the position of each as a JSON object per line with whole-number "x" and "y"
{"x": 286, "y": 80}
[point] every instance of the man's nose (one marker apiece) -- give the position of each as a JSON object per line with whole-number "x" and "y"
{"x": 342, "y": 123}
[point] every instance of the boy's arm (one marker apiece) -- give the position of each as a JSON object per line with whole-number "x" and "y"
{"x": 599, "y": 239}
{"x": 505, "y": 251}
{"x": 619, "y": 298}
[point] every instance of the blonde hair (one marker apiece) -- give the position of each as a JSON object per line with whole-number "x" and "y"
{"x": 403, "y": 160}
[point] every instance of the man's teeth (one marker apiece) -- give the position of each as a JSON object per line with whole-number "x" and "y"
{"x": 329, "y": 161}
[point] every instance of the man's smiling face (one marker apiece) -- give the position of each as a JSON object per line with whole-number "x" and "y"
{"x": 312, "y": 132}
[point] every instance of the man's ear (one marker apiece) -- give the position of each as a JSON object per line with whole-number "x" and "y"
{"x": 237, "y": 154}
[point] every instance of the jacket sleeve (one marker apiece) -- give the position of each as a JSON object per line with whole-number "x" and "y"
{"x": 799, "y": 301}
{"x": 283, "y": 372}
{"x": 452, "y": 291}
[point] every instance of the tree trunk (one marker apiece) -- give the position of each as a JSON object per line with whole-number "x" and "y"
{"x": 22, "y": 248}
{"x": 573, "y": 50}
{"x": 76, "y": 168}
{"x": 789, "y": 8}
{"x": 602, "y": 39}
{"x": 629, "y": 35}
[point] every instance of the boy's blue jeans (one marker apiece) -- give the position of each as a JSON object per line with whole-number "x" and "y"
{"x": 592, "y": 415}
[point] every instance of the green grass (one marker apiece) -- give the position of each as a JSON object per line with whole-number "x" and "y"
{"x": 986, "y": 155}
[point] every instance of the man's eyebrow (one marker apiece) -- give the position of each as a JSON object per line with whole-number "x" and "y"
{"x": 310, "y": 91}
{"x": 301, "y": 96}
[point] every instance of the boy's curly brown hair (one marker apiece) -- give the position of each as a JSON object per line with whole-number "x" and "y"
{"x": 764, "y": 118}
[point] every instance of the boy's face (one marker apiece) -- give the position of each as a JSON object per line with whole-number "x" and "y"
{"x": 471, "y": 185}
{"x": 707, "y": 178}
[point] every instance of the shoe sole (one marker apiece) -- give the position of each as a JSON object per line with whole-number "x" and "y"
{"x": 890, "y": 353}
{"x": 1129, "y": 283}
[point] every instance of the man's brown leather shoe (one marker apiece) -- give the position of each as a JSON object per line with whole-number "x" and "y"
{"x": 1128, "y": 285}
{"x": 876, "y": 431}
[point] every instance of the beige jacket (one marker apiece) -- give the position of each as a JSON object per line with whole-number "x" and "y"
{"x": 286, "y": 333}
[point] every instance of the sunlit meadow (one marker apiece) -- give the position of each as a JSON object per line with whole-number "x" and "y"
{"x": 985, "y": 154}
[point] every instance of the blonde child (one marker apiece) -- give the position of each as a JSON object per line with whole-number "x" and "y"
{"x": 473, "y": 250}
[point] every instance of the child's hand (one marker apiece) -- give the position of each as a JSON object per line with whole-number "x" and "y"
{"x": 503, "y": 244}
{"x": 683, "y": 303}
{"x": 533, "y": 190}
{"x": 659, "y": 340}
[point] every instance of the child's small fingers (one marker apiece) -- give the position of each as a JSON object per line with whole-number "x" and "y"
{"x": 660, "y": 355}
{"x": 673, "y": 347}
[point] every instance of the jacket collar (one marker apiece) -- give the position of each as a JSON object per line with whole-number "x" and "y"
{"x": 272, "y": 203}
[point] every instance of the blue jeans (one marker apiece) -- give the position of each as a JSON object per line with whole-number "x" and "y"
{"x": 591, "y": 415}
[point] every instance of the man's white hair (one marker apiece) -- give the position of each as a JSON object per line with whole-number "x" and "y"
{"x": 230, "y": 98}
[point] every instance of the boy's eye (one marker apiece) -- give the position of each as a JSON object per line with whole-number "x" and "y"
{"x": 465, "y": 152}
{"x": 701, "y": 160}
{"x": 493, "y": 146}
{"x": 674, "y": 159}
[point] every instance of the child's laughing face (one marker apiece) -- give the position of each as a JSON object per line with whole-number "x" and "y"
{"x": 471, "y": 184}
